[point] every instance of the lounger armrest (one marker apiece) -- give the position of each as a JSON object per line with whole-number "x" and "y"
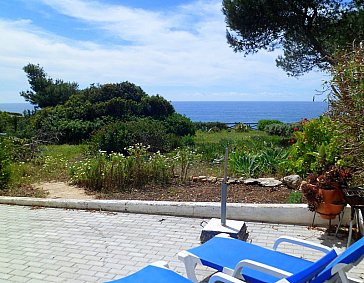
{"x": 222, "y": 277}
{"x": 300, "y": 242}
{"x": 270, "y": 270}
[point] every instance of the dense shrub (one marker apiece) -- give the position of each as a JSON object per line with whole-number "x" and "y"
{"x": 263, "y": 123}
{"x": 15, "y": 124}
{"x": 75, "y": 131}
{"x": 156, "y": 107}
{"x": 116, "y": 137}
{"x": 21, "y": 150}
{"x": 180, "y": 125}
{"x": 112, "y": 138}
{"x": 153, "y": 133}
{"x": 315, "y": 148}
{"x": 5, "y": 122}
{"x": 242, "y": 128}
{"x": 283, "y": 130}
{"x": 5, "y": 171}
{"x": 98, "y": 105}
{"x": 210, "y": 126}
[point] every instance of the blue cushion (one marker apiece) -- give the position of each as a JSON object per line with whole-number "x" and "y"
{"x": 308, "y": 273}
{"x": 153, "y": 274}
{"x": 221, "y": 252}
{"x": 350, "y": 255}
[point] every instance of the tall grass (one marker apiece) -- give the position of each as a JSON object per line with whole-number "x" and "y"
{"x": 138, "y": 170}
{"x": 51, "y": 164}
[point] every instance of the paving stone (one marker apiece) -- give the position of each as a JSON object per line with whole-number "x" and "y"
{"x": 18, "y": 278}
{"x": 59, "y": 245}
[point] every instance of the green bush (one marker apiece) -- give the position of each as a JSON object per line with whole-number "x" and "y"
{"x": 211, "y": 126}
{"x": 315, "y": 148}
{"x": 112, "y": 138}
{"x": 180, "y": 125}
{"x": 263, "y": 123}
{"x": 118, "y": 136}
{"x": 153, "y": 133}
{"x": 283, "y": 130}
{"x": 91, "y": 109}
{"x": 5, "y": 170}
{"x": 242, "y": 128}
{"x": 157, "y": 107}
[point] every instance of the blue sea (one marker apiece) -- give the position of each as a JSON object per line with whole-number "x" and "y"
{"x": 229, "y": 111}
{"x": 249, "y": 111}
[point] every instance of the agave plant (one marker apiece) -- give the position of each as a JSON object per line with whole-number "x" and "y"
{"x": 245, "y": 164}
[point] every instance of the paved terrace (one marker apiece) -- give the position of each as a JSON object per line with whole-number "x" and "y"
{"x": 59, "y": 245}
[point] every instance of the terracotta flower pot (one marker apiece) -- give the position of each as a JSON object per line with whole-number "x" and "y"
{"x": 329, "y": 210}
{"x": 332, "y": 196}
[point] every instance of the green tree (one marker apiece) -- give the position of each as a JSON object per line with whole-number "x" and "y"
{"x": 45, "y": 91}
{"x": 309, "y": 31}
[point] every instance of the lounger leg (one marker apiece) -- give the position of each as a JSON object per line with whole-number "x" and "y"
{"x": 351, "y": 226}
{"x": 343, "y": 277}
{"x": 341, "y": 216}
{"x": 190, "y": 262}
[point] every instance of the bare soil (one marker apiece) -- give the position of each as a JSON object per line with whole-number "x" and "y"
{"x": 63, "y": 190}
{"x": 192, "y": 192}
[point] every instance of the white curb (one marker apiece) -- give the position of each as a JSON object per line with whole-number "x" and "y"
{"x": 270, "y": 213}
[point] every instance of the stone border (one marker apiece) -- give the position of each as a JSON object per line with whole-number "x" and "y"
{"x": 270, "y": 213}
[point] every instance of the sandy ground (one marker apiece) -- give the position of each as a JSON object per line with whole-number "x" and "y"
{"x": 63, "y": 190}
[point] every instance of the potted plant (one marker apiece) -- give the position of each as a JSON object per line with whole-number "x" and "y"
{"x": 324, "y": 192}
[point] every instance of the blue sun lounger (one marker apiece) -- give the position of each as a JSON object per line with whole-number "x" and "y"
{"x": 253, "y": 263}
{"x": 336, "y": 270}
{"x": 159, "y": 273}
{"x": 329, "y": 268}
{"x": 333, "y": 272}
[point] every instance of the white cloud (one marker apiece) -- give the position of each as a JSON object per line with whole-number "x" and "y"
{"x": 185, "y": 48}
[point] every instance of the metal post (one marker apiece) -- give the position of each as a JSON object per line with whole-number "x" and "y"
{"x": 224, "y": 190}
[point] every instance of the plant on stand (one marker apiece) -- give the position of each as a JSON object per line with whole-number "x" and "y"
{"x": 324, "y": 192}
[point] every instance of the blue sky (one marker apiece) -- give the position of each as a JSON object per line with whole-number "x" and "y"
{"x": 175, "y": 48}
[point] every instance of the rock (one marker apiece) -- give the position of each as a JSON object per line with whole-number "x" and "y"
{"x": 212, "y": 179}
{"x": 269, "y": 182}
{"x": 231, "y": 181}
{"x": 292, "y": 181}
{"x": 217, "y": 161}
{"x": 251, "y": 181}
{"x": 265, "y": 182}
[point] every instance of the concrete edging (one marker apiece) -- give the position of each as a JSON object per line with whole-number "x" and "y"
{"x": 271, "y": 213}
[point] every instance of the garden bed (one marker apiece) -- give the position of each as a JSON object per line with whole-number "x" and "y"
{"x": 207, "y": 192}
